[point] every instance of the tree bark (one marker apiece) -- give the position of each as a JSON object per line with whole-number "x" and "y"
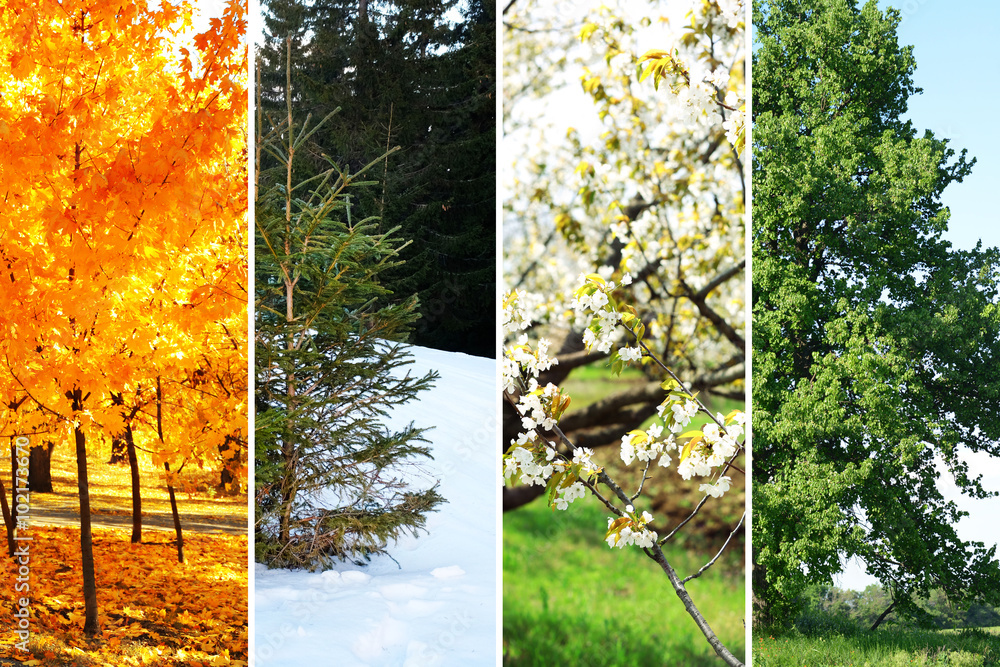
{"x": 177, "y": 518}
{"x": 133, "y": 465}
{"x": 878, "y": 621}
{"x": 90, "y": 627}
{"x": 40, "y": 468}
{"x": 8, "y": 520}
{"x": 166, "y": 465}
{"x": 13, "y": 483}
{"x": 119, "y": 454}
{"x": 287, "y": 448}
{"x": 232, "y": 454}
{"x": 762, "y": 616}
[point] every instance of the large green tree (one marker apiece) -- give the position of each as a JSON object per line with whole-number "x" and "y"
{"x": 420, "y": 76}
{"x": 876, "y": 359}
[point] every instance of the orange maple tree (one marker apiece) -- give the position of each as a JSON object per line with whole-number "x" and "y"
{"x": 123, "y": 231}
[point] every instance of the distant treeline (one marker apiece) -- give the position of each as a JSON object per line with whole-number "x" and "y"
{"x": 416, "y": 75}
{"x": 829, "y": 608}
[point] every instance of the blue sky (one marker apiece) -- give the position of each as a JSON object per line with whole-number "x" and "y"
{"x": 955, "y": 51}
{"x": 954, "y": 46}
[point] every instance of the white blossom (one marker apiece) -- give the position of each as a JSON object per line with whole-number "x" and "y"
{"x": 716, "y": 490}
{"x": 630, "y": 353}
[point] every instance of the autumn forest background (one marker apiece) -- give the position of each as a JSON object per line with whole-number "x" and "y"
{"x": 123, "y": 332}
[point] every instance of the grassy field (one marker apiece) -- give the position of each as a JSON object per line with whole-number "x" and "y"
{"x": 884, "y": 648}
{"x": 571, "y": 600}
{"x": 590, "y": 383}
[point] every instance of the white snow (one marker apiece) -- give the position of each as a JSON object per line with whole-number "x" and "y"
{"x": 438, "y": 607}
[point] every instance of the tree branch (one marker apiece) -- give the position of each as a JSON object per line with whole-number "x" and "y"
{"x": 657, "y": 555}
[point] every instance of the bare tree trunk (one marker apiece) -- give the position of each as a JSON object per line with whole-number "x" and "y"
{"x": 288, "y": 490}
{"x": 133, "y": 465}
{"x": 13, "y": 482}
{"x": 40, "y": 467}
{"x": 231, "y": 451}
{"x": 8, "y": 520}
{"x": 90, "y": 627}
{"x": 166, "y": 465}
{"x": 363, "y": 11}
{"x": 177, "y": 518}
{"x": 118, "y": 450}
{"x": 881, "y": 618}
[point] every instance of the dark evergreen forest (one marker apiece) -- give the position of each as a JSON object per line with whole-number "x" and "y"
{"x": 421, "y": 76}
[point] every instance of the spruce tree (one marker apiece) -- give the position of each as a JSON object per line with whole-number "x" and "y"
{"x": 329, "y": 365}
{"x": 876, "y": 344}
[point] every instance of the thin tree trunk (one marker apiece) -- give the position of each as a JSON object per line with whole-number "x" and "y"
{"x": 13, "y": 482}
{"x": 90, "y": 627}
{"x": 8, "y": 520}
{"x": 881, "y": 618}
{"x": 287, "y": 448}
{"x": 232, "y": 455}
{"x": 177, "y": 518}
{"x": 166, "y": 465}
{"x": 133, "y": 465}
{"x": 657, "y": 554}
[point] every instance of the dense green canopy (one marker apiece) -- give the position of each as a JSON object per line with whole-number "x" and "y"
{"x": 876, "y": 346}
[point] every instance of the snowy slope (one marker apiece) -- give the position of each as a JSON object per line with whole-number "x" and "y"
{"x": 439, "y": 607}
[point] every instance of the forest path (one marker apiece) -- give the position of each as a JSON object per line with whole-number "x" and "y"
{"x": 58, "y": 509}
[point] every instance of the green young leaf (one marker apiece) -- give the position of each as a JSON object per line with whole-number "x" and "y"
{"x": 552, "y": 487}
{"x": 668, "y": 384}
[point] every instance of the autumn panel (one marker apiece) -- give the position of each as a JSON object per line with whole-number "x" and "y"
{"x": 123, "y": 332}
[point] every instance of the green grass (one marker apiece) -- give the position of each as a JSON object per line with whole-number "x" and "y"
{"x": 589, "y": 384}
{"x": 885, "y": 648}
{"x": 569, "y": 599}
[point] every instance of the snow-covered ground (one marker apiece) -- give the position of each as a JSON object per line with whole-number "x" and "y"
{"x": 438, "y": 606}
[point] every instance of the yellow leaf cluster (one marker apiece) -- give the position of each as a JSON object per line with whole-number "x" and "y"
{"x": 123, "y": 221}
